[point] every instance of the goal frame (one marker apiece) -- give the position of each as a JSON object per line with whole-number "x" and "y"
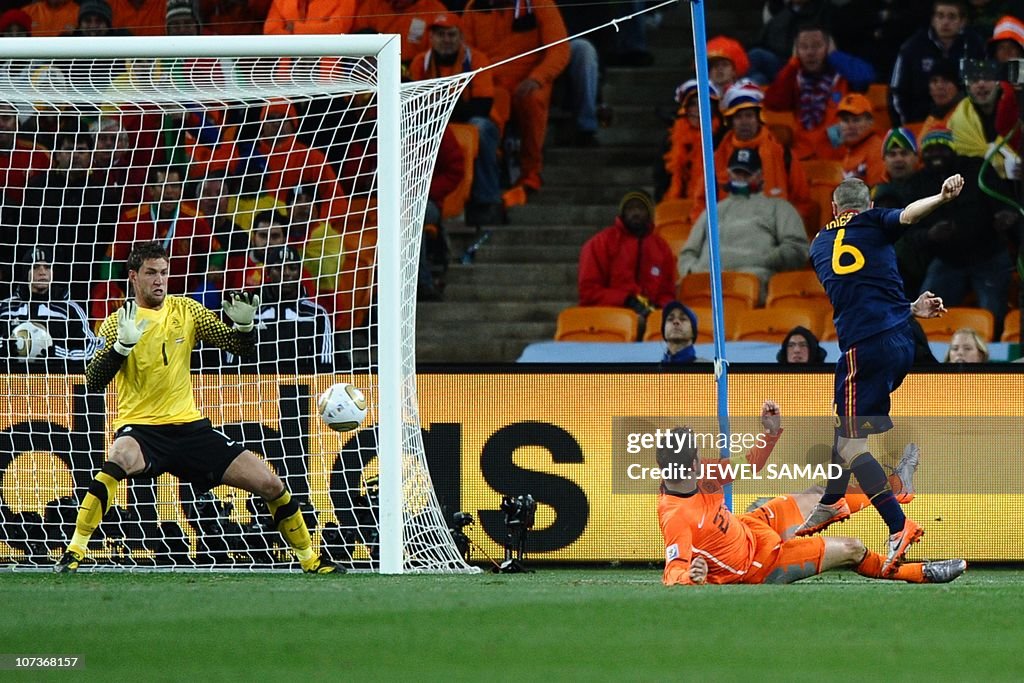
{"x": 386, "y": 48}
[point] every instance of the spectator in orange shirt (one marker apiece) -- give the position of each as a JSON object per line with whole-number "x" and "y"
{"x": 782, "y": 177}
{"x": 810, "y": 85}
{"x": 727, "y": 62}
{"x": 683, "y": 161}
{"x": 409, "y": 19}
{"x": 52, "y": 17}
{"x": 863, "y": 146}
{"x": 509, "y": 28}
{"x": 141, "y": 17}
{"x": 448, "y": 55}
{"x": 303, "y": 17}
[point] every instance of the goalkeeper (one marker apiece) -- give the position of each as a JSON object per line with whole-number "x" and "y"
{"x": 158, "y": 427}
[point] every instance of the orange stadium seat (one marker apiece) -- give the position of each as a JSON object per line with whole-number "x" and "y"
{"x": 705, "y": 324}
{"x": 597, "y": 324}
{"x": 822, "y": 177}
{"x": 781, "y": 124}
{"x": 829, "y": 331}
{"x": 1011, "y": 326}
{"x": 772, "y": 324}
{"x": 672, "y": 221}
{"x": 742, "y": 288}
{"x": 469, "y": 140}
{"x": 942, "y": 329}
{"x": 794, "y": 285}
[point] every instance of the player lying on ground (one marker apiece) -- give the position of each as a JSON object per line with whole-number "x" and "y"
{"x": 158, "y": 427}
{"x": 705, "y": 542}
{"x": 855, "y": 260}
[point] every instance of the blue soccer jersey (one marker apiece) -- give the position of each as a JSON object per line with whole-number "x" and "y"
{"x": 855, "y": 261}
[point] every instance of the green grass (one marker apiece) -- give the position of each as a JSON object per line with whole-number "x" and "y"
{"x": 614, "y": 624}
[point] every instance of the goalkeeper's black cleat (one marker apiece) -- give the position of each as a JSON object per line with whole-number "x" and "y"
{"x": 68, "y": 563}
{"x": 322, "y": 566}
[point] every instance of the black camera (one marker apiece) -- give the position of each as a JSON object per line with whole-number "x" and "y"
{"x": 460, "y": 520}
{"x": 520, "y": 512}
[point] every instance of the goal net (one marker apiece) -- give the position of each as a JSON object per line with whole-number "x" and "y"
{"x": 302, "y": 177}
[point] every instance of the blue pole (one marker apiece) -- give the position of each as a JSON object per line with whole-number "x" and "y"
{"x": 711, "y": 192}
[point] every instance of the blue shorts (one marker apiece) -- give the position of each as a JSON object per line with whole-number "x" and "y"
{"x": 866, "y": 375}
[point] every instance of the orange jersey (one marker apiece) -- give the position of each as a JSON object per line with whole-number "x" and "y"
{"x": 411, "y": 23}
{"x": 700, "y": 524}
{"x": 52, "y": 21}
{"x": 864, "y": 160}
{"x": 149, "y": 18}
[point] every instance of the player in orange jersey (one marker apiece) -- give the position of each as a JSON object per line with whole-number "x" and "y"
{"x": 706, "y": 543}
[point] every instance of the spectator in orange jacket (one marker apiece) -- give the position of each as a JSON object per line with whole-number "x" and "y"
{"x": 727, "y": 62}
{"x": 863, "y": 146}
{"x": 508, "y": 28}
{"x": 626, "y": 264}
{"x": 449, "y": 55}
{"x": 811, "y": 85}
{"x": 303, "y": 17}
{"x": 684, "y": 162}
{"x": 409, "y": 19}
{"x": 52, "y": 17}
{"x": 141, "y": 17}
{"x": 782, "y": 176}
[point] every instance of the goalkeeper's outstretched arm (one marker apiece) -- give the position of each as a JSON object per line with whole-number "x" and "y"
{"x": 241, "y": 340}
{"x": 120, "y": 332}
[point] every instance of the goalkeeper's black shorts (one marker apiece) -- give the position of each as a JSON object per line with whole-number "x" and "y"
{"x": 194, "y": 452}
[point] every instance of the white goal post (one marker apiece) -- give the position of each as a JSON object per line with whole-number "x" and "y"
{"x": 317, "y": 127}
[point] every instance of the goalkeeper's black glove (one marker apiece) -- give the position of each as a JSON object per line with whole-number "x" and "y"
{"x": 129, "y": 329}
{"x": 241, "y": 308}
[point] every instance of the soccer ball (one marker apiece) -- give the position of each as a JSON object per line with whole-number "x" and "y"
{"x": 342, "y": 407}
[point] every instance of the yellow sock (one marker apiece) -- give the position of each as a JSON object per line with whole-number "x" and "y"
{"x": 288, "y": 520}
{"x": 94, "y": 506}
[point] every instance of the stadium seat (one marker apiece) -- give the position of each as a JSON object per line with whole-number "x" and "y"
{"x": 823, "y": 172}
{"x": 942, "y": 329}
{"x": 672, "y": 222}
{"x": 469, "y": 140}
{"x": 597, "y": 324}
{"x": 772, "y": 324}
{"x": 742, "y": 288}
{"x": 878, "y": 93}
{"x": 781, "y": 124}
{"x": 828, "y": 333}
{"x": 1011, "y": 326}
{"x": 820, "y": 311}
{"x": 705, "y": 326}
{"x": 794, "y": 285}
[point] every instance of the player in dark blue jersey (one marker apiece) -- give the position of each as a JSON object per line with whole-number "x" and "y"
{"x": 855, "y": 260}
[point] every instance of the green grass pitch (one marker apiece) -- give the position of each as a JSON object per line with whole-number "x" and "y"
{"x": 573, "y": 624}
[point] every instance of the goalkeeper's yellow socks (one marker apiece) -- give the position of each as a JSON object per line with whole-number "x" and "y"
{"x": 95, "y": 505}
{"x": 288, "y": 520}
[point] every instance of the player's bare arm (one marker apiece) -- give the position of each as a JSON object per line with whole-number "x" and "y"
{"x": 915, "y": 211}
{"x": 928, "y": 305}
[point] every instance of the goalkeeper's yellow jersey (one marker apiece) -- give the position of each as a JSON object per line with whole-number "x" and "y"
{"x": 154, "y": 384}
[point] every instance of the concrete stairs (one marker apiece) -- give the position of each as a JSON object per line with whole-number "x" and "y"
{"x": 525, "y": 273}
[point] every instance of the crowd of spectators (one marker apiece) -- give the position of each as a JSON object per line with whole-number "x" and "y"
{"x": 897, "y": 94}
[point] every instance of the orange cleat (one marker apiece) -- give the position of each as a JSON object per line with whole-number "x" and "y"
{"x": 898, "y": 545}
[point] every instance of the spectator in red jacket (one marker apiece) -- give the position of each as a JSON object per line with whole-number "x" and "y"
{"x": 626, "y": 264}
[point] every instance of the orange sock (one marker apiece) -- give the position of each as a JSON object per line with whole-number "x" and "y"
{"x": 871, "y": 567}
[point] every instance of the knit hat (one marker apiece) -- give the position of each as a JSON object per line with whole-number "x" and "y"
{"x": 899, "y": 137}
{"x": 815, "y": 354}
{"x": 676, "y": 305}
{"x": 721, "y": 47}
{"x": 688, "y": 91}
{"x": 1008, "y": 27}
{"x": 283, "y": 254}
{"x": 98, "y": 8}
{"x": 855, "y": 104}
{"x": 741, "y": 95}
{"x": 15, "y": 17}
{"x": 639, "y": 195}
{"x": 945, "y": 68}
{"x": 745, "y": 159}
{"x": 937, "y": 136}
{"x": 181, "y": 8}
{"x": 36, "y": 255}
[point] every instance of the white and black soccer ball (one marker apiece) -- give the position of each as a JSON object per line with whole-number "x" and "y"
{"x": 30, "y": 340}
{"x": 342, "y": 407}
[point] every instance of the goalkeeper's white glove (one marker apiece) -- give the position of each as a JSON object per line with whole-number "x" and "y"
{"x": 241, "y": 308}
{"x": 129, "y": 329}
